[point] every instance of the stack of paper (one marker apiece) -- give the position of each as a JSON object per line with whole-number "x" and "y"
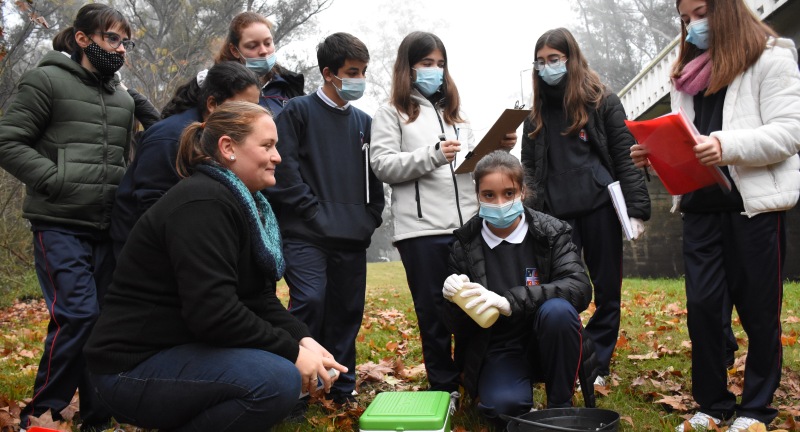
{"x": 621, "y": 207}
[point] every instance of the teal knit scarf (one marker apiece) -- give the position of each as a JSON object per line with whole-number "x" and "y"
{"x": 261, "y": 221}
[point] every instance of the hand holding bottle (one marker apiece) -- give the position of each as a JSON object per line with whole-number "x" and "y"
{"x": 453, "y": 285}
{"x": 486, "y": 299}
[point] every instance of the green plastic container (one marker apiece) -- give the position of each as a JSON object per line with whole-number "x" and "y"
{"x": 408, "y": 411}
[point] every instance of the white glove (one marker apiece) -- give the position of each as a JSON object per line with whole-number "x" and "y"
{"x": 486, "y": 297}
{"x": 453, "y": 284}
{"x": 637, "y": 228}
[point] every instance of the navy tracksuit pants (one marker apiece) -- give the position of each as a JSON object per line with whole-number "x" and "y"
{"x": 425, "y": 262}
{"x": 551, "y": 354}
{"x": 326, "y": 291}
{"x": 74, "y": 268}
{"x": 728, "y": 253}
{"x": 599, "y": 236}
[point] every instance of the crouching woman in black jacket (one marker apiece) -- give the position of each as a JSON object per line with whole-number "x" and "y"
{"x": 524, "y": 263}
{"x": 192, "y": 335}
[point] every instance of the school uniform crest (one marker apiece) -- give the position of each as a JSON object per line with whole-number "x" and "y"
{"x": 531, "y": 276}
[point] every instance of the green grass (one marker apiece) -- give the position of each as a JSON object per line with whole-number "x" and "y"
{"x": 22, "y": 287}
{"x": 653, "y": 321}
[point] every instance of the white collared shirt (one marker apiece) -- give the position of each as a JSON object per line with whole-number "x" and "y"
{"x": 330, "y": 101}
{"x": 516, "y": 236}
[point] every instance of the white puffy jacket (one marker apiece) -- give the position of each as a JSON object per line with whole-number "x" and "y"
{"x": 427, "y": 199}
{"x": 760, "y": 134}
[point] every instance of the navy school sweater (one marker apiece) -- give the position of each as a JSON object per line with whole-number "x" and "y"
{"x": 326, "y": 190}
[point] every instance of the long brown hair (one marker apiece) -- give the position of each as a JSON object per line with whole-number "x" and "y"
{"x": 737, "y": 38}
{"x": 91, "y": 18}
{"x": 414, "y": 48}
{"x": 235, "y": 29}
{"x": 584, "y": 90}
{"x": 199, "y": 141}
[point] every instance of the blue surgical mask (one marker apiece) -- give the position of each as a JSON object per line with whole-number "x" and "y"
{"x": 429, "y": 80}
{"x": 501, "y": 215}
{"x": 697, "y": 33}
{"x": 553, "y": 75}
{"x": 352, "y": 88}
{"x": 259, "y": 65}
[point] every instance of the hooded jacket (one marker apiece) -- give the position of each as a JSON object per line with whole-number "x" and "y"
{"x": 610, "y": 138}
{"x": 760, "y": 135}
{"x": 66, "y": 136}
{"x": 283, "y": 86}
{"x": 561, "y": 275}
{"x": 427, "y": 198}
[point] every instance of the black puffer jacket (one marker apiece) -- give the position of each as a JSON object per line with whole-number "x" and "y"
{"x": 612, "y": 140}
{"x": 561, "y": 274}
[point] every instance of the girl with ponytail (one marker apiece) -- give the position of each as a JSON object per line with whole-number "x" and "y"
{"x": 66, "y": 136}
{"x": 192, "y": 320}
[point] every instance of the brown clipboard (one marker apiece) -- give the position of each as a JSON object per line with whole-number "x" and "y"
{"x": 509, "y": 121}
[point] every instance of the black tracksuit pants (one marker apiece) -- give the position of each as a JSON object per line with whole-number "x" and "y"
{"x": 598, "y": 235}
{"x": 728, "y": 252}
{"x": 425, "y": 262}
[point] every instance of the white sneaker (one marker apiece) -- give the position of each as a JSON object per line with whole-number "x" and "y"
{"x": 742, "y": 423}
{"x": 700, "y": 420}
{"x": 600, "y": 381}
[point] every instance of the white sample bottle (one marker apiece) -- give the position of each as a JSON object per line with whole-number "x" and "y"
{"x": 485, "y": 319}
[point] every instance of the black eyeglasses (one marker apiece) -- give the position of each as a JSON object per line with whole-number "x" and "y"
{"x": 553, "y": 61}
{"x": 116, "y": 40}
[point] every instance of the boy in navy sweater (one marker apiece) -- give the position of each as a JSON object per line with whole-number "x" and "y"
{"x": 330, "y": 203}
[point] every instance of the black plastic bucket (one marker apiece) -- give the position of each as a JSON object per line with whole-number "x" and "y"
{"x": 565, "y": 420}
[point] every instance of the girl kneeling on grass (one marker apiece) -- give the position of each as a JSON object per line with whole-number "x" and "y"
{"x": 524, "y": 263}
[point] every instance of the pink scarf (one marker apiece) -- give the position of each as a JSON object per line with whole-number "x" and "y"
{"x": 696, "y": 75}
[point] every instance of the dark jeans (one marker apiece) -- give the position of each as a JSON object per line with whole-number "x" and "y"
{"x": 425, "y": 262}
{"x": 728, "y": 254}
{"x": 326, "y": 290}
{"x": 598, "y": 235}
{"x": 74, "y": 268}
{"x": 197, "y": 387}
{"x": 551, "y": 355}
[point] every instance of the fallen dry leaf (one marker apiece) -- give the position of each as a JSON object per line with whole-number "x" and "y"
{"x": 373, "y": 372}
{"x": 46, "y": 420}
{"x": 673, "y": 402}
{"x": 629, "y": 420}
{"x": 69, "y": 412}
{"x": 790, "y": 425}
{"x": 758, "y": 427}
{"x": 649, "y": 356}
{"x": 7, "y": 422}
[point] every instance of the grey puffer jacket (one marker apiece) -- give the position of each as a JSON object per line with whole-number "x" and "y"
{"x": 65, "y": 136}
{"x": 561, "y": 273}
{"x": 611, "y": 139}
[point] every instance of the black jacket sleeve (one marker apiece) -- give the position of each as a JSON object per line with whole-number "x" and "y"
{"x": 144, "y": 111}
{"x": 620, "y": 141}
{"x": 532, "y": 164}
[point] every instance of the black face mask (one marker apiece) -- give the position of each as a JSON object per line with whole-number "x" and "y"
{"x": 105, "y": 62}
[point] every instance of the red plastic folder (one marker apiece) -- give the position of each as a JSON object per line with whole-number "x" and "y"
{"x": 671, "y": 140}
